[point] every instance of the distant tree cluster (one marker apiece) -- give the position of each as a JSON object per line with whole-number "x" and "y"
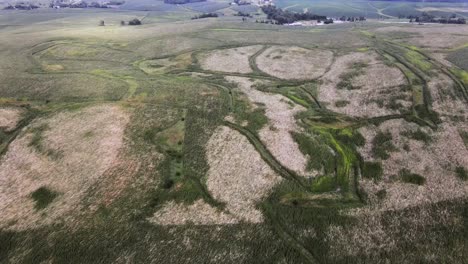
{"x": 21, "y": 6}
{"x": 83, "y": 4}
{"x": 175, "y": 2}
{"x": 116, "y": 2}
{"x": 134, "y": 22}
{"x": 428, "y": 18}
{"x": 266, "y": 21}
{"x": 352, "y": 19}
{"x": 242, "y": 14}
{"x": 286, "y": 17}
{"x": 205, "y": 15}
{"x": 242, "y": 2}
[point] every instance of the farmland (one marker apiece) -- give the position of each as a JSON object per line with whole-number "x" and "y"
{"x": 374, "y": 9}
{"x": 221, "y": 141}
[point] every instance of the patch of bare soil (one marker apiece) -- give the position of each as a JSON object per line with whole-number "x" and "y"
{"x": 238, "y": 176}
{"x": 198, "y": 213}
{"x": 229, "y": 60}
{"x": 377, "y": 89}
{"x": 436, "y": 160}
{"x": 9, "y": 118}
{"x": 294, "y": 62}
{"x": 276, "y": 136}
{"x": 68, "y": 157}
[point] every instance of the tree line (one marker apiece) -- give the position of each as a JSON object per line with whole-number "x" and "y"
{"x": 286, "y": 17}
{"x": 205, "y": 15}
{"x": 428, "y": 18}
{"x": 174, "y": 2}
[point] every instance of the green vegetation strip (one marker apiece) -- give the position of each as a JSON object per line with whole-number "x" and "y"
{"x": 456, "y": 75}
{"x": 311, "y": 96}
{"x": 253, "y": 59}
{"x": 422, "y": 111}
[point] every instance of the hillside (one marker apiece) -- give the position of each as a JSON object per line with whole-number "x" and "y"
{"x": 230, "y": 139}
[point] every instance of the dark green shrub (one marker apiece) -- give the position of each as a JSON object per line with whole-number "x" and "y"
{"x": 381, "y": 194}
{"x": 462, "y": 173}
{"x": 43, "y": 197}
{"x": 149, "y": 135}
{"x": 3, "y": 137}
{"x": 464, "y": 136}
{"x": 382, "y": 144}
{"x": 36, "y": 140}
{"x": 427, "y": 114}
{"x": 372, "y": 170}
{"x": 413, "y": 178}
{"x": 418, "y": 135}
{"x": 134, "y": 22}
{"x": 341, "y": 103}
{"x": 167, "y": 184}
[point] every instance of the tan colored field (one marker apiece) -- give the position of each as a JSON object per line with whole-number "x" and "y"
{"x": 229, "y": 60}
{"x": 431, "y": 36}
{"x": 369, "y": 236}
{"x": 9, "y": 118}
{"x": 238, "y": 176}
{"x": 276, "y": 135}
{"x": 198, "y": 213}
{"x": 376, "y": 87}
{"x": 444, "y": 99}
{"x": 435, "y": 161}
{"x": 70, "y": 155}
{"x": 294, "y": 62}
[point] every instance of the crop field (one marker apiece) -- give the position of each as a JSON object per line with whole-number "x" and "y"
{"x": 352, "y": 86}
{"x": 219, "y": 140}
{"x": 229, "y": 60}
{"x": 374, "y": 9}
{"x": 294, "y": 62}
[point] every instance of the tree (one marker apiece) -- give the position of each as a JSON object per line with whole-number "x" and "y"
{"x": 205, "y": 15}
{"x": 134, "y": 22}
{"x": 101, "y": 23}
{"x": 286, "y": 17}
{"x": 122, "y": 23}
